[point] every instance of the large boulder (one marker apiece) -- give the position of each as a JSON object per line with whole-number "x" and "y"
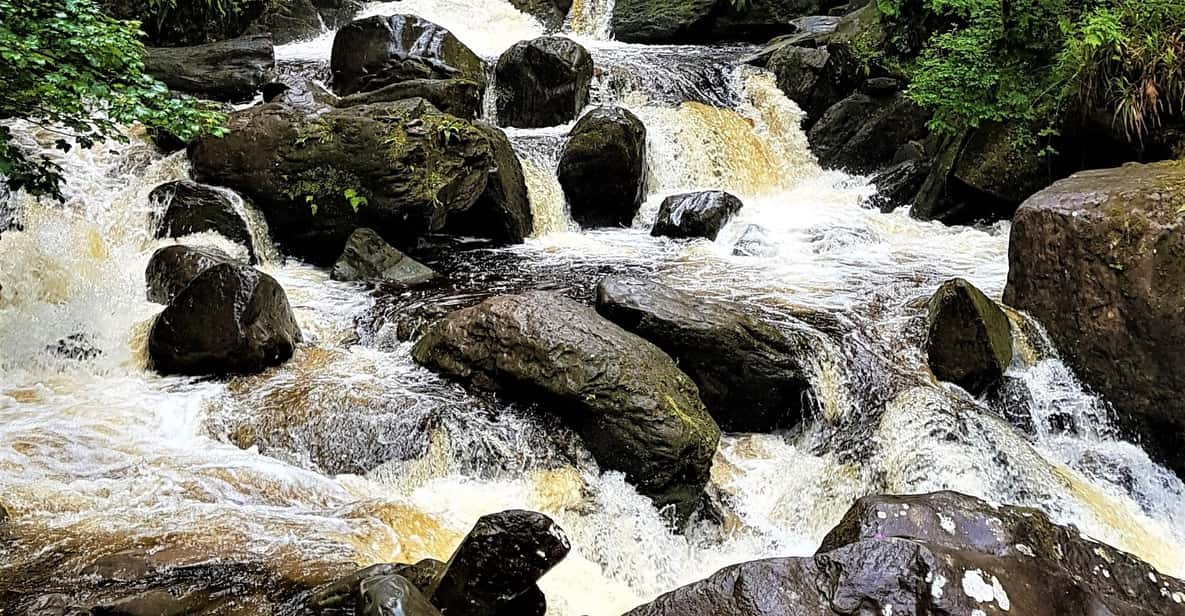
{"x": 940, "y": 553}
{"x": 603, "y": 168}
{"x": 864, "y": 131}
{"x": 750, "y": 375}
{"x": 230, "y": 319}
{"x": 700, "y": 214}
{"x": 1099, "y": 260}
{"x": 232, "y": 70}
{"x": 499, "y": 561}
{"x": 381, "y": 50}
{"x": 172, "y": 268}
{"x": 543, "y": 82}
{"x": 367, "y": 257}
{"x": 459, "y": 97}
{"x": 694, "y": 21}
{"x": 635, "y": 411}
{"x": 503, "y": 212}
{"x": 399, "y": 168}
{"x": 969, "y": 339}
{"x": 190, "y": 207}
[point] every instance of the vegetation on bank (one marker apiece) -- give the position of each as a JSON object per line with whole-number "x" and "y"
{"x": 1044, "y": 64}
{"x": 79, "y": 74}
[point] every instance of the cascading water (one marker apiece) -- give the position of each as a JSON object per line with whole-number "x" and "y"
{"x": 350, "y": 454}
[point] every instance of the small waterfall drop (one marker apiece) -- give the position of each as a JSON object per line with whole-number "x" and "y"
{"x": 591, "y": 19}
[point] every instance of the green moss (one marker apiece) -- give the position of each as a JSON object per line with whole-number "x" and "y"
{"x": 326, "y": 184}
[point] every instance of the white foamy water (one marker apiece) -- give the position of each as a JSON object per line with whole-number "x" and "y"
{"x": 351, "y": 454}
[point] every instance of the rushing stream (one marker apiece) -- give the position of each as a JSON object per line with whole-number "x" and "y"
{"x": 351, "y": 454}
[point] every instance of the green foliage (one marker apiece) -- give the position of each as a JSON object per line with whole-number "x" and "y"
{"x": 740, "y": 5}
{"x": 1035, "y": 62}
{"x": 326, "y": 183}
{"x": 354, "y": 199}
{"x": 76, "y": 72}
{"x": 450, "y": 131}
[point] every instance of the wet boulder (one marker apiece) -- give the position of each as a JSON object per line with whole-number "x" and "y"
{"x": 969, "y": 339}
{"x": 750, "y": 375}
{"x": 378, "y": 51}
{"x": 862, "y": 132}
{"x": 897, "y": 185}
{"x": 551, "y": 13}
{"x": 1099, "y": 259}
{"x": 635, "y": 411}
{"x": 232, "y": 71}
{"x": 543, "y": 82}
{"x": 190, "y": 207}
{"x": 698, "y": 21}
{"x": 368, "y": 257}
{"x": 503, "y": 212}
{"x": 941, "y": 553}
{"x": 603, "y": 168}
{"x": 392, "y": 595}
{"x": 400, "y": 168}
{"x": 499, "y": 561}
{"x": 700, "y": 214}
{"x": 172, "y": 268}
{"x": 459, "y": 97}
{"x": 230, "y": 319}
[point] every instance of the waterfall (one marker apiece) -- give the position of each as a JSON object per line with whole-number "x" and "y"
{"x": 591, "y": 19}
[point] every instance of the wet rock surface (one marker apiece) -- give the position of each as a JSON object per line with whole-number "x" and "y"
{"x": 969, "y": 339}
{"x": 862, "y": 132}
{"x": 233, "y": 70}
{"x": 503, "y": 212}
{"x": 751, "y": 376}
{"x": 692, "y": 21}
{"x": 633, "y": 408}
{"x": 368, "y": 257}
{"x": 378, "y": 51}
{"x": 543, "y": 82}
{"x": 1099, "y": 260}
{"x": 603, "y": 167}
{"x": 190, "y": 207}
{"x": 700, "y": 214}
{"x": 459, "y": 97}
{"x": 228, "y": 319}
{"x": 172, "y": 268}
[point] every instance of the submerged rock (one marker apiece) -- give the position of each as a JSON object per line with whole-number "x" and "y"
{"x": 368, "y": 257}
{"x": 750, "y": 375}
{"x": 754, "y": 242}
{"x": 378, "y": 51}
{"x": 635, "y": 411}
{"x": 1099, "y": 260}
{"x": 499, "y": 561}
{"x": 399, "y": 168}
{"x": 503, "y": 212}
{"x": 190, "y": 207}
{"x": 700, "y": 214}
{"x": 543, "y": 82}
{"x": 172, "y": 268}
{"x": 941, "y": 553}
{"x": 603, "y": 168}
{"x": 232, "y": 71}
{"x": 969, "y": 340}
{"x": 392, "y": 595}
{"x": 229, "y": 319}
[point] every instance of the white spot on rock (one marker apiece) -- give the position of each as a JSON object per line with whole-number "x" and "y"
{"x": 936, "y": 587}
{"x": 947, "y": 524}
{"x": 975, "y": 587}
{"x": 1026, "y": 550}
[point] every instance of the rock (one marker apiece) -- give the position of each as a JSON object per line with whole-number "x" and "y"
{"x": 368, "y": 257}
{"x": 337, "y": 13}
{"x": 635, "y": 411}
{"x": 230, "y": 319}
{"x": 1012, "y": 400}
{"x": 699, "y": 21}
{"x": 399, "y": 168}
{"x": 306, "y": 95}
{"x": 459, "y": 97}
{"x": 700, "y": 214}
{"x": 382, "y": 50}
{"x": 750, "y": 375}
{"x": 190, "y": 207}
{"x": 861, "y": 133}
{"x": 543, "y": 82}
{"x": 1099, "y": 259}
{"x": 995, "y": 174}
{"x": 232, "y": 71}
{"x": 754, "y": 242}
{"x": 346, "y": 591}
{"x": 498, "y": 561}
{"x": 292, "y": 20}
{"x": 603, "y": 167}
{"x": 880, "y": 86}
{"x": 551, "y": 13}
{"x": 810, "y": 31}
{"x": 897, "y": 185}
{"x": 941, "y": 553}
{"x": 969, "y": 340}
{"x": 189, "y": 23}
{"x": 392, "y": 595}
{"x": 172, "y": 268}
{"x": 503, "y": 212}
